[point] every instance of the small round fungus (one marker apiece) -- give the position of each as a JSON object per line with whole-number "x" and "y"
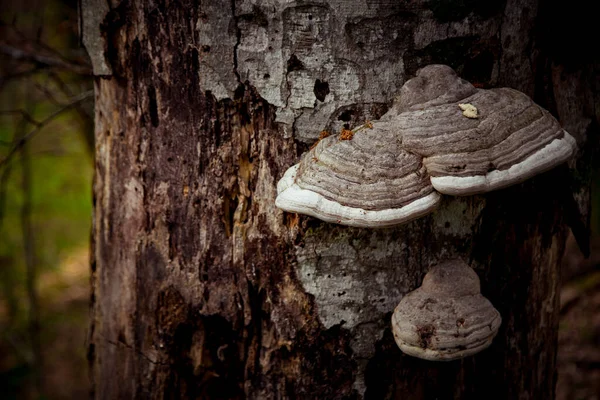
{"x": 446, "y": 318}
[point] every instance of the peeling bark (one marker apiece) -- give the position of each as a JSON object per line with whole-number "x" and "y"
{"x": 203, "y": 289}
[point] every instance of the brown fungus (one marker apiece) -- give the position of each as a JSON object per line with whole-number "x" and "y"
{"x": 446, "y": 318}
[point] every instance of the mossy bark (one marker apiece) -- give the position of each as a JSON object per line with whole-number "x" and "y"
{"x": 202, "y": 288}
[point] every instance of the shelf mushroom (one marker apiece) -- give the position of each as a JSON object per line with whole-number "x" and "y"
{"x": 367, "y": 181}
{"x": 446, "y": 318}
{"x": 485, "y": 141}
{"x": 442, "y": 135}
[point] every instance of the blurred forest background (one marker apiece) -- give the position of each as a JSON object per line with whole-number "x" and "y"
{"x": 46, "y": 169}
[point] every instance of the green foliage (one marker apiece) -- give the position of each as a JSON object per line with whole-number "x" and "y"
{"x": 61, "y": 197}
{"x": 61, "y": 166}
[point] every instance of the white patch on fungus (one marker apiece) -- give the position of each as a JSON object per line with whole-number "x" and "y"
{"x": 557, "y": 152}
{"x": 292, "y": 198}
{"x": 469, "y": 110}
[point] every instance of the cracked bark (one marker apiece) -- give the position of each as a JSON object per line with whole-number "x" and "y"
{"x": 194, "y": 268}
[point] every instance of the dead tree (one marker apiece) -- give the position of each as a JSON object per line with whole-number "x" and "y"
{"x": 202, "y": 288}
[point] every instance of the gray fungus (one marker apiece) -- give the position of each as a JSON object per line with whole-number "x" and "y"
{"x": 441, "y": 136}
{"x": 446, "y": 318}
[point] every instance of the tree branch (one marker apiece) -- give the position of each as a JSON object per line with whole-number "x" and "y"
{"x": 86, "y": 117}
{"x": 21, "y": 74}
{"x": 20, "y": 142}
{"x": 26, "y": 116}
{"x": 55, "y": 61}
{"x": 47, "y": 93}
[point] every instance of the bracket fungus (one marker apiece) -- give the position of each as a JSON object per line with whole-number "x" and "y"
{"x": 512, "y": 138}
{"x": 446, "y": 318}
{"x": 442, "y": 135}
{"x": 368, "y": 181}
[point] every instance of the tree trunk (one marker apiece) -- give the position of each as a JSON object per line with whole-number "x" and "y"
{"x": 202, "y": 288}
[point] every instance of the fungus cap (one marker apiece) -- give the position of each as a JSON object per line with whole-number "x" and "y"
{"x": 446, "y": 318}
{"x": 368, "y": 181}
{"x": 486, "y": 140}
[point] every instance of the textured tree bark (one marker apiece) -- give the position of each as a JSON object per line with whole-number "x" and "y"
{"x": 203, "y": 289}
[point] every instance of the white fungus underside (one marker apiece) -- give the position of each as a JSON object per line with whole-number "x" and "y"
{"x": 293, "y": 198}
{"x": 556, "y": 152}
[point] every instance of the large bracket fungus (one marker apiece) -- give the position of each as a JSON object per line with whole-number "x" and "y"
{"x": 446, "y": 318}
{"x": 510, "y": 140}
{"x": 441, "y": 135}
{"x": 368, "y": 181}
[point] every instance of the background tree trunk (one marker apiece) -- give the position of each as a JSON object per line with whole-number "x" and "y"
{"x": 203, "y": 289}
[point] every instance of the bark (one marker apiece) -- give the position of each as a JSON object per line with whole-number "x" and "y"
{"x": 203, "y": 289}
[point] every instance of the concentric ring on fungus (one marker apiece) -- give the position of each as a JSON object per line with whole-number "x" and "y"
{"x": 369, "y": 181}
{"x": 425, "y": 144}
{"x": 446, "y": 318}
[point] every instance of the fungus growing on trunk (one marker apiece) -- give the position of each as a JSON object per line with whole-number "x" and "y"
{"x": 510, "y": 140}
{"x": 366, "y": 181}
{"x": 446, "y": 318}
{"x": 441, "y": 135}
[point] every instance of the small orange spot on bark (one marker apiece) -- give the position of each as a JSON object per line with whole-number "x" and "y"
{"x": 186, "y": 191}
{"x": 322, "y": 135}
{"x": 292, "y": 220}
{"x": 346, "y": 134}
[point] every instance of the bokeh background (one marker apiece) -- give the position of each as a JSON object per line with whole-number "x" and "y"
{"x": 46, "y": 169}
{"x": 46, "y": 172}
